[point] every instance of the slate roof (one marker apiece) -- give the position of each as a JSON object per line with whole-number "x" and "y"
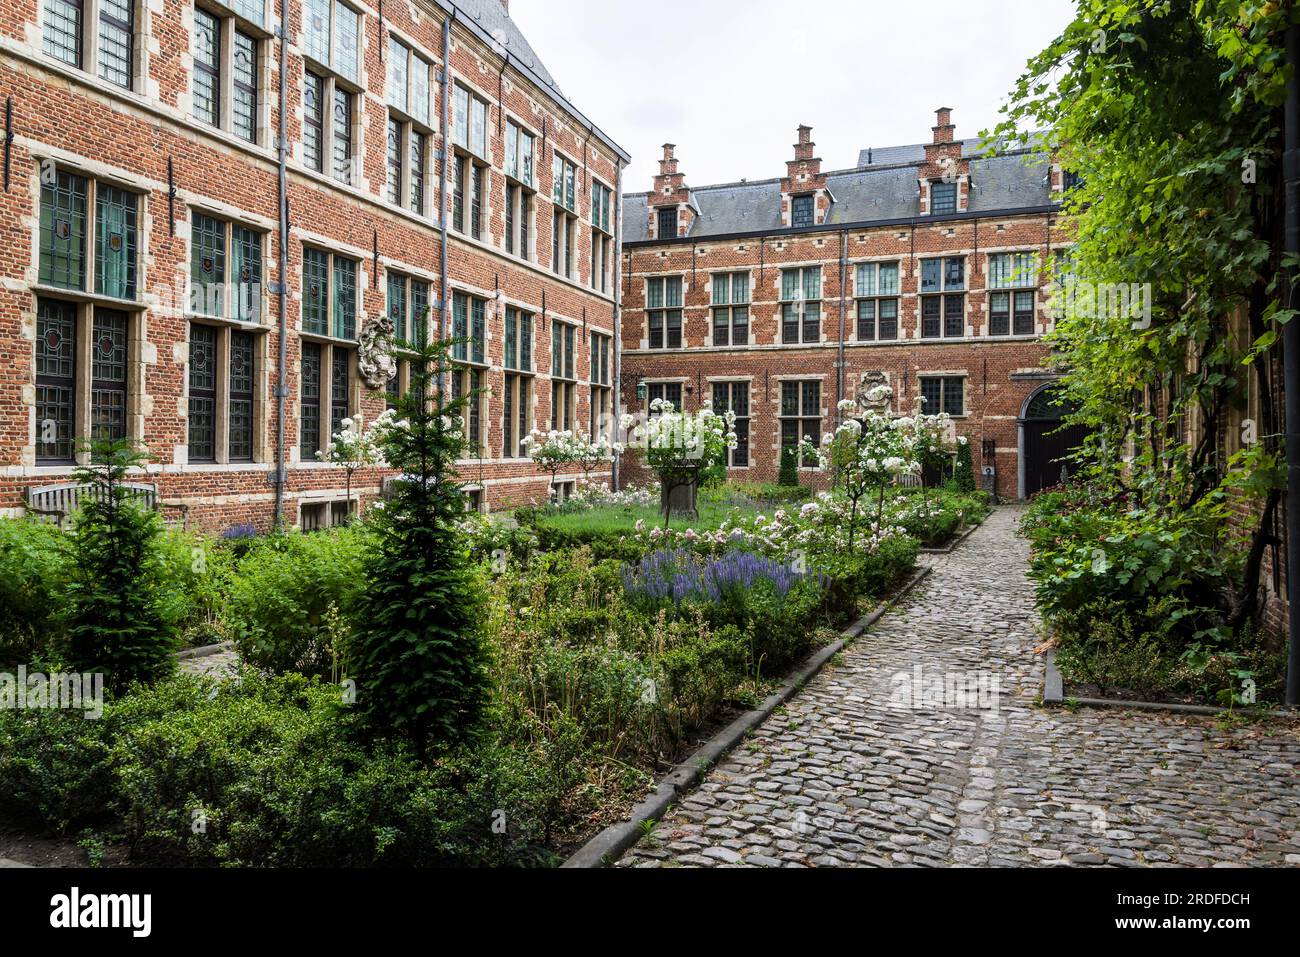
{"x": 491, "y": 16}
{"x": 878, "y": 191}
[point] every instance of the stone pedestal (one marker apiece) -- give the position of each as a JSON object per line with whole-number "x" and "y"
{"x": 680, "y": 501}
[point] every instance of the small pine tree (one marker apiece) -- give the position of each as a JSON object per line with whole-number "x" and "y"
{"x": 789, "y": 474}
{"x": 965, "y": 471}
{"x": 420, "y": 653}
{"x": 117, "y": 623}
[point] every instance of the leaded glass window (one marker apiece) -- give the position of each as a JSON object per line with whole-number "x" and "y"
{"x": 56, "y": 379}
{"x": 116, "y": 41}
{"x": 63, "y": 231}
{"x": 61, "y": 31}
{"x": 203, "y": 394}
{"x": 241, "y": 396}
{"x": 309, "y": 383}
{"x": 315, "y": 291}
{"x": 207, "y": 67}
{"x": 115, "y": 239}
{"x": 245, "y": 86}
{"x": 313, "y": 128}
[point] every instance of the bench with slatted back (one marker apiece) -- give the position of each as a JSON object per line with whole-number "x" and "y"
{"x": 57, "y": 502}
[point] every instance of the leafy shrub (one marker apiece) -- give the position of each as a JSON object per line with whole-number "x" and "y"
{"x": 1083, "y": 553}
{"x": 279, "y": 597}
{"x": 33, "y": 570}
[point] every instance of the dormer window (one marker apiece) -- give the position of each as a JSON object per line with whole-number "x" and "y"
{"x": 801, "y": 211}
{"x": 943, "y": 198}
{"x": 668, "y": 223}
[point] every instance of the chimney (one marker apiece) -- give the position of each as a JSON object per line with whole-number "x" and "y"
{"x": 506, "y": 4}
{"x": 670, "y": 185}
{"x": 943, "y": 128}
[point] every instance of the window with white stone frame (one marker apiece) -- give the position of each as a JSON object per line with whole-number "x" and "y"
{"x": 407, "y": 132}
{"x": 670, "y": 392}
{"x": 1013, "y": 294}
{"x": 408, "y": 310}
{"x": 223, "y": 411}
{"x": 943, "y": 393}
{"x": 331, "y": 88}
{"x": 225, "y": 87}
{"x": 943, "y": 299}
{"x": 564, "y": 382}
{"x": 730, "y": 293}
{"x": 521, "y": 191}
{"x": 663, "y": 298}
{"x": 564, "y": 224}
{"x": 801, "y": 307}
{"x": 601, "y": 423}
{"x": 470, "y": 162}
{"x": 517, "y": 397}
{"x": 87, "y": 313}
{"x": 326, "y": 382}
{"x": 734, "y": 397}
{"x": 876, "y": 293}
{"x": 943, "y": 198}
{"x": 801, "y": 416}
{"x": 100, "y": 37}
{"x": 602, "y": 235}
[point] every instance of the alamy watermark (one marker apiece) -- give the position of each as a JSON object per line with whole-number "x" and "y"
{"x": 1107, "y": 300}
{"x": 917, "y": 690}
{"x": 59, "y": 690}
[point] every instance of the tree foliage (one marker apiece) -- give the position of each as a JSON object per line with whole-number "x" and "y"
{"x": 117, "y": 623}
{"x": 1170, "y": 112}
{"x": 419, "y": 650}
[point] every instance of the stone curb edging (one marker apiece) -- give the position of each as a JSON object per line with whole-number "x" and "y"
{"x": 204, "y": 652}
{"x": 1054, "y": 694}
{"x": 617, "y": 838}
{"x": 951, "y": 546}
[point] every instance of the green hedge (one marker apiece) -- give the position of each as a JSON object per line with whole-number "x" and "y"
{"x": 268, "y": 772}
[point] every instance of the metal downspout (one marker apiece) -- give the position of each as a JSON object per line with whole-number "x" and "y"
{"x": 282, "y": 366}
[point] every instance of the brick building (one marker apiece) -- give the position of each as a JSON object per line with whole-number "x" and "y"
{"x": 919, "y": 267}
{"x": 145, "y": 272}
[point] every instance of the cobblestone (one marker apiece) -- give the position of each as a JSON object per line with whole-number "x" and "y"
{"x": 850, "y": 774}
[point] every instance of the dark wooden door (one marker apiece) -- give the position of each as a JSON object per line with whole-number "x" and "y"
{"x": 1047, "y": 446}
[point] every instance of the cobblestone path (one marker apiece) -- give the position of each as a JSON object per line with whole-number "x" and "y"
{"x": 849, "y": 774}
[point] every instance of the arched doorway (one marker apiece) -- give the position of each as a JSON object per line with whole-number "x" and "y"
{"x": 1044, "y": 445}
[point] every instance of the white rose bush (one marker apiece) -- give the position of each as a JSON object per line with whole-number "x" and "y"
{"x": 682, "y": 447}
{"x": 353, "y": 449}
{"x": 867, "y": 454}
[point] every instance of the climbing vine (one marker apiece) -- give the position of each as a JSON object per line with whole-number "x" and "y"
{"x": 1170, "y": 112}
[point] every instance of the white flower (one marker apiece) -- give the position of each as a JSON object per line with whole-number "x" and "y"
{"x": 847, "y": 405}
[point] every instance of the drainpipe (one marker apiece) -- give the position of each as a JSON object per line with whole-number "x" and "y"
{"x": 1291, "y": 367}
{"x": 445, "y": 108}
{"x": 839, "y": 371}
{"x": 618, "y": 314}
{"x": 282, "y": 366}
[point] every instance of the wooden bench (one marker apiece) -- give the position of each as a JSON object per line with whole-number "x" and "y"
{"x": 58, "y": 502}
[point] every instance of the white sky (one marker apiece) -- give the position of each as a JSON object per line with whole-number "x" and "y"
{"x": 728, "y": 81}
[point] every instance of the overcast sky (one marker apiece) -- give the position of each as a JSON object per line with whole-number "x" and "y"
{"x": 728, "y": 81}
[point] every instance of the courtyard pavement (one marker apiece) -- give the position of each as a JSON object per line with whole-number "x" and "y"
{"x": 875, "y": 764}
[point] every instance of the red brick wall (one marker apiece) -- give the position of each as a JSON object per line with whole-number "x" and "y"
{"x": 89, "y": 126}
{"x": 1001, "y": 373}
